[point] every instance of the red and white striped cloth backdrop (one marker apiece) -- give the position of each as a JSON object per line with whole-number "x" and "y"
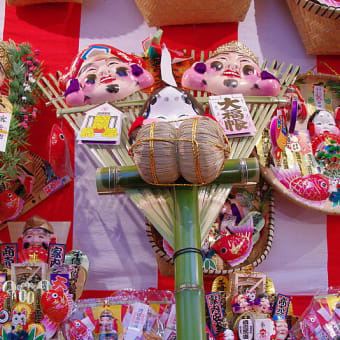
{"x": 305, "y": 256}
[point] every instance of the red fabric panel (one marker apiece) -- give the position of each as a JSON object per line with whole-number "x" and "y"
{"x": 199, "y": 37}
{"x": 54, "y": 30}
{"x": 333, "y": 232}
{"x": 331, "y": 64}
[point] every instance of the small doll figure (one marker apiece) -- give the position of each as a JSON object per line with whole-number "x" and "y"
{"x": 108, "y": 326}
{"x": 322, "y": 121}
{"x": 281, "y": 328}
{"x": 262, "y": 304}
{"x": 232, "y": 68}
{"x": 325, "y": 138}
{"x": 33, "y": 245}
{"x": 102, "y": 73}
{"x": 241, "y": 304}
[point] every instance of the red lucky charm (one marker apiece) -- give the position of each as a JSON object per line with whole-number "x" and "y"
{"x": 236, "y": 247}
{"x": 79, "y": 330}
{"x": 310, "y": 187}
{"x": 10, "y": 205}
{"x": 59, "y": 154}
{"x": 56, "y": 305}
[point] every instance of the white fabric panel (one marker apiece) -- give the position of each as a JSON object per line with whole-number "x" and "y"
{"x": 112, "y": 229}
{"x": 2, "y": 18}
{"x": 297, "y": 262}
{"x": 270, "y": 32}
{"x": 117, "y": 23}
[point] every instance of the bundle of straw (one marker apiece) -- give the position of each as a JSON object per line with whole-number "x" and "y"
{"x": 154, "y": 153}
{"x": 201, "y": 149}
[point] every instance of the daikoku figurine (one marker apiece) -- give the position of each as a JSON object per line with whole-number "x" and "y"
{"x": 231, "y": 69}
{"x": 103, "y": 73}
{"x": 281, "y": 328}
{"x": 33, "y": 245}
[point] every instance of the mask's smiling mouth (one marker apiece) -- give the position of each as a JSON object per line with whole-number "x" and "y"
{"x": 107, "y": 80}
{"x": 230, "y": 73}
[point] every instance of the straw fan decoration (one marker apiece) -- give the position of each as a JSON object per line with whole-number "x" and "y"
{"x": 158, "y": 204}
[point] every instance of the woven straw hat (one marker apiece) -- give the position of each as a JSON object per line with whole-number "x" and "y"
{"x": 38, "y": 222}
{"x": 235, "y": 46}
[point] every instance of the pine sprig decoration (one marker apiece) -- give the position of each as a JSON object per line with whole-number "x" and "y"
{"x": 335, "y": 87}
{"x": 22, "y": 91}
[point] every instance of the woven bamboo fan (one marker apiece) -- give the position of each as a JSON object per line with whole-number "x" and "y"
{"x": 34, "y": 2}
{"x": 178, "y": 12}
{"x": 243, "y": 200}
{"x": 318, "y": 26}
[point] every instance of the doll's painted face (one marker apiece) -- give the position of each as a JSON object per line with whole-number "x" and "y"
{"x": 107, "y": 78}
{"x": 240, "y": 304}
{"x": 262, "y": 305}
{"x": 229, "y": 73}
{"x": 281, "y": 327}
{"x": 170, "y": 104}
{"x": 106, "y": 323}
{"x": 324, "y": 121}
{"x": 229, "y": 334}
{"x": 36, "y": 237}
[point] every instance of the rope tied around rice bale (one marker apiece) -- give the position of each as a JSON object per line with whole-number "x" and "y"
{"x": 196, "y": 151}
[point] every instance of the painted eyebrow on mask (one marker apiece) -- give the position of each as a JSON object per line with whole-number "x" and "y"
{"x": 85, "y": 67}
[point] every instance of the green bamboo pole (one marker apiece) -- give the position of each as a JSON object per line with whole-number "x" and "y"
{"x": 189, "y": 289}
{"x": 117, "y": 179}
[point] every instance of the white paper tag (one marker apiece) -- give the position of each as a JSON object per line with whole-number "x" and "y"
{"x": 319, "y": 97}
{"x": 137, "y": 321}
{"x": 171, "y": 324}
{"x": 5, "y": 120}
{"x": 101, "y": 125}
{"x": 166, "y": 67}
{"x": 232, "y": 113}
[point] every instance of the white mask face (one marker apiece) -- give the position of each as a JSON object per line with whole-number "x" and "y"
{"x": 324, "y": 121}
{"x": 171, "y": 104}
